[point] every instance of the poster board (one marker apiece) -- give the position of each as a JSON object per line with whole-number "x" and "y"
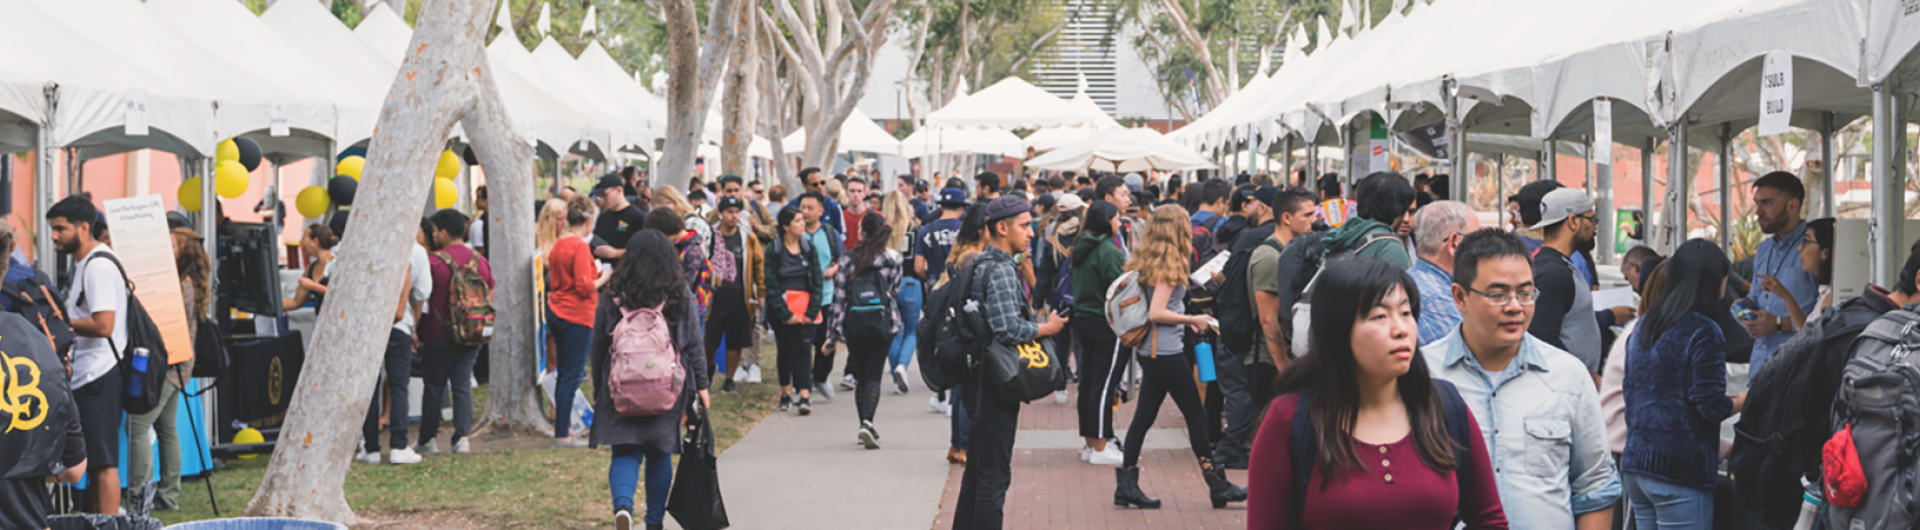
{"x": 138, "y": 228}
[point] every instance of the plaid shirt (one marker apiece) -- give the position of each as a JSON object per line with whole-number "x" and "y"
{"x": 998, "y": 286}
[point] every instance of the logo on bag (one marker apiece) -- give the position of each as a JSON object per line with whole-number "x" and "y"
{"x": 274, "y": 379}
{"x": 23, "y": 398}
{"x": 1035, "y": 356}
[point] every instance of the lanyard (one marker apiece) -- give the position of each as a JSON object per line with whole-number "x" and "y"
{"x": 1780, "y": 257}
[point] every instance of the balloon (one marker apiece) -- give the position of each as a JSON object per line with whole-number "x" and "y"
{"x": 351, "y": 151}
{"x": 227, "y": 150}
{"x": 350, "y": 166}
{"x": 189, "y": 194}
{"x": 467, "y": 154}
{"x": 249, "y": 152}
{"x": 248, "y": 436}
{"x": 230, "y": 179}
{"x": 449, "y": 166}
{"x": 341, "y": 189}
{"x": 445, "y": 192}
{"x": 312, "y": 202}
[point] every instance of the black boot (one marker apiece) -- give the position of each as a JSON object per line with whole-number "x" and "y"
{"x": 1218, "y": 488}
{"x": 1127, "y": 490}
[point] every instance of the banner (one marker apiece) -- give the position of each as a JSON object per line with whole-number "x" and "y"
{"x": 1776, "y": 93}
{"x": 1430, "y": 139}
{"x": 138, "y": 226}
{"x": 1377, "y": 146}
{"x": 1603, "y": 131}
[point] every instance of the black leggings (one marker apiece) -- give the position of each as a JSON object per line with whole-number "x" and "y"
{"x": 867, "y": 361}
{"x": 796, "y": 355}
{"x": 1100, "y": 369}
{"x": 1166, "y": 375}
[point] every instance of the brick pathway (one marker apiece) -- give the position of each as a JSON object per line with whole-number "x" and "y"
{"x": 1045, "y": 415}
{"x": 1053, "y": 490}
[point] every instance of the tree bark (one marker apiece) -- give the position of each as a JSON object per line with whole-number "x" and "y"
{"x": 831, "y": 74}
{"x": 736, "y": 105}
{"x": 445, "y": 79}
{"x": 692, "y": 64}
{"x": 1213, "y": 86}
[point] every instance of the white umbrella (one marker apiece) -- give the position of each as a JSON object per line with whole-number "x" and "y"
{"x": 1011, "y": 104}
{"x": 857, "y": 134}
{"x": 925, "y": 142}
{"x": 1122, "y": 150}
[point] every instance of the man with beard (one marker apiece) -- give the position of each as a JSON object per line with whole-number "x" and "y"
{"x": 96, "y": 306}
{"x": 1777, "y": 197}
{"x": 1564, "y": 317}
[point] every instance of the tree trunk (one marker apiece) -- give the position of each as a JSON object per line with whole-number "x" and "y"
{"x": 1212, "y": 88}
{"x": 737, "y": 103}
{"x": 692, "y": 66}
{"x": 444, "y": 80}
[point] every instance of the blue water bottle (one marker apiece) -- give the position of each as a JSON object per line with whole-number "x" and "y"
{"x": 1203, "y": 355}
{"x": 134, "y": 380}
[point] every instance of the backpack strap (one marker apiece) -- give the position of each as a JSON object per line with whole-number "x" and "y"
{"x": 1454, "y": 409}
{"x": 1302, "y": 446}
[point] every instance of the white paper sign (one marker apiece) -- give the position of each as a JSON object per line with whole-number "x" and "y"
{"x": 277, "y": 120}
{"x": 136, "y": 112}
{"x": 1603, "y": 130}
{"x": 139, "y": 229}
{"x": 585, "y": 134}
{"x": 1776, "y": 93}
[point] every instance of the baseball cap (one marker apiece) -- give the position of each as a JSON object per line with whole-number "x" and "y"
{"x": 611, "y": 180}
{"x": 176, "y": 219}
{"x": 1266, "y": 194}
{"x": 724, "y": 179}
{"x": 1134, "y": 184}
{"x": 1562, "y": 203}
{"x": 1069, "y": 202}
{"x": 1007, "y": 206}
{"x": 1529, "y": 199}
{"x": 1046, "y": 200}
{"x": 731, "y": 202}
{"x": 953, "y": 197}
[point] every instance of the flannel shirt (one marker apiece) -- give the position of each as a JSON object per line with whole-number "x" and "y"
{"x": 891, "y": 268}
{"x": 999, "y": 288}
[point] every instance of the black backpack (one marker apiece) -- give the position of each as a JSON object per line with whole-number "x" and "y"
{"x": 1785, "y": 420}
{"x": 870, "y": 307}
{"x": 141, "y": 377}
{"x": 1453, "y": 409}
{"x": 1233, "y": 305}
{"x": 35, "y": 299}
{"x": 950, "y": 329}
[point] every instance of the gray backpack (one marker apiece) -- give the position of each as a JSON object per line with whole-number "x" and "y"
{"x": 1880, "y": 398}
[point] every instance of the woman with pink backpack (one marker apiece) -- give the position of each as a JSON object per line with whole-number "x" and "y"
{"x": 645, "y": 310}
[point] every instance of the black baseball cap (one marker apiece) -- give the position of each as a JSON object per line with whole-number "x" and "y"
{"x": 731, "y": 202}
{"x": 611, "y": 180}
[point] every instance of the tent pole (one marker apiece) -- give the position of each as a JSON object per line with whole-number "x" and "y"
{"x": 1888, "y": 184}
{"x": 43, "y": 191}
{"x": 1500, "y": 185}
{"x": 1679, "y": 190}
{"x": 1647, "y": 213}
{"x": 209, "y": 210}
{"x": 1550, "y": 161}
{"x": 1725, "y": 175}
{"x": 1827, "y": 173}
{"x": 1607, "y": 223}
{"x": 1457, "y": 184}
{"x": 1287, "y": 143}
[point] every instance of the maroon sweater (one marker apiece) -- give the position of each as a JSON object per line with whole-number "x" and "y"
{"x": 1396, "y": 491}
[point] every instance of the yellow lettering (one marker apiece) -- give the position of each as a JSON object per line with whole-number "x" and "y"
{"x": 23, "y": 399}
{"x": 1035, "y": 356}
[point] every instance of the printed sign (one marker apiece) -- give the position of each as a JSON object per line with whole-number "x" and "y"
{"x": 139, "y": 229}
{"x": 136, "y": 112}
{"x": 1603, "y": 131}
{"x": 277, "y": 120}
{"x": 1378, "y": 161}
{"x": 1776, "y": 93}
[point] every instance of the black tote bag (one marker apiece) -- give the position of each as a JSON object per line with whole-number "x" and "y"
{"x": 1025, "y": 372}
{"x": 694, "y": 501}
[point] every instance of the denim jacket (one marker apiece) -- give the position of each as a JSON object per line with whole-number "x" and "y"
{"x": 1545, "y": 433}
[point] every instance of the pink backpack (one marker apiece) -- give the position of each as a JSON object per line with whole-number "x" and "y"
{"x": 646, "y": 376}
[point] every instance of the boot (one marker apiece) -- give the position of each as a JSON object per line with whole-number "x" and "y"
{"x": 1218, "y": 488}
{"x": 1127, "y": 490}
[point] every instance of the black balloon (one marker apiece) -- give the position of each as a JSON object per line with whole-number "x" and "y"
{"x": 341, "y": 189}
{"x": 249, "y": 152}
{"x": 467, "y": 154}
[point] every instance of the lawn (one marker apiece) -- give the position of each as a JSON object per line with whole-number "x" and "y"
{"x": 508, "y": 482}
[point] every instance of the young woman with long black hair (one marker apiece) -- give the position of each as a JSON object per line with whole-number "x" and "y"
{"x": 1383, "y": 457}
{"x": 1162, "y": 261}
{"x": 1097, "y": 262}
{"x": 794, "y": 281}
{"x": 867, "y": 355}
{"x": 647, "y": 276}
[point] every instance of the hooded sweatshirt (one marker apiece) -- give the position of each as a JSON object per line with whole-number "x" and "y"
{"x": 1096, "y": 264}
{"x": 1355, "y": 232}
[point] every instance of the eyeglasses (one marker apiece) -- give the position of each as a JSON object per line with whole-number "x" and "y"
{"x": 1527, "y": 297}
{"x": 815, "y": 184}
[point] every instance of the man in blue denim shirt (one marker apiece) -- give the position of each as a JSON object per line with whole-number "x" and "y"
{"x": 1777, "y": 197}
{"x": 1535, "y": 403}
{"x": 1438, "y": 229}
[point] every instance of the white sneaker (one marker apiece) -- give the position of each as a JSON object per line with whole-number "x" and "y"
{"x": 460, "y": 446}
{"x": 402, "y": 456}
{"x": 1085, "y": 453}
{"x": 1110, "y": 457}
{"x": 939, "y": 406}
{"x": 430, "y": 447}
{"x": 753, "y": 373}
{"x": 848, "y": 383}
{"x": 1060, "y": 397}
{"x": 367, "y": 458}
{"x": 740, "y": 374}
{"x": 900, "y": 384}
{"x": 825, "y": 391}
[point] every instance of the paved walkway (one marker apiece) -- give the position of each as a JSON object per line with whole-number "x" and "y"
{"x": 800, "y": 473}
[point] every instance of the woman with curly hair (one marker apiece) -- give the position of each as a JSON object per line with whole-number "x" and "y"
{"x": 1162, "y": 260}
{"x": 648, "y": 277}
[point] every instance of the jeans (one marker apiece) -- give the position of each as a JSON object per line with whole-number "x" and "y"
{"x": 447, "y": 364}
{"x": 983, "y": 486}
{"x": 867, "y": 361}
{"x": 625, "y": 471}
{"x": 398, "y": 364}
{"x": 906, "y": 341}
{"x": 571, "y": 341}
{"x": 140, "y": 449}
{"x": 1166, "y": 376}
{"x": 959, "y": 421}
{"x": 795, "y": 354}
{"x": 1662, "y": 505}
{"x": 1102, "y": 364}
{"x": 1238, "y": 411}
{"x": 822, "y": 355}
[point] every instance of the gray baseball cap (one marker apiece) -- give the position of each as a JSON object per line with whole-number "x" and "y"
{"x": 1562, "y": 203}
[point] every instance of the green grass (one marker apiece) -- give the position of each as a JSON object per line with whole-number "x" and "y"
{"x": 530, "y": 488}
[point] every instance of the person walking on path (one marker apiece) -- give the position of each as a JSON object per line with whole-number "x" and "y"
{"x": 794, "y": 282}
{"x": 571, "y": 276}
{"x": 1097, "y": 262}
{"x": 1162, "y": 262}
{"x": 737, "y": 285}
{"x": 868, "y": 303}
{"x": 648, "y": 277}
{"x": 447, "y": 363}
{"x": 932, "y": 245}
{"x": 903, "y": 224}
{"x": 1382, "y": 456}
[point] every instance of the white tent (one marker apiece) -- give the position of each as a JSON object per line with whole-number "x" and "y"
{"x": 560, "y": 66}
{"x": 94, "y": 87}
{"x": 600, "y": 66}
{"x": 588, "y": 135}
{"x": 1051, "y": 138}
{"x": 366, "y": 74}
{"x": 1122, "y": 150}
{"x": 925, "y": 142}
{"x": 858, "y": 134}
{"x": 1011, "y": 104}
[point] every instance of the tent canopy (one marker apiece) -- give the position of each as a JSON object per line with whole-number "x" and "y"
{"x": 925, "y": 142}
{"x": 858, "y": 134}
{"x": 1012, "y": 104}
{"x": 1122, "y": 150}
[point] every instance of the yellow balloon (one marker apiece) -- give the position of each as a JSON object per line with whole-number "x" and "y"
{"x": 248, "y": 436}
{"x": 350, "y": 166}
{"x": 189, "y": 194}
{"x": 312, "y": 202}
{"x": 230, "y": 179}
{"x": 445, "y": 192}
{"x": 227, "y": 151}
{"x": 449, "y": 166}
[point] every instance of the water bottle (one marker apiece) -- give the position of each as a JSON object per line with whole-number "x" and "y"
{"x": 1743, "y": 310}
{"x": 1203, "y": 354}
{"x": 134, "y": 380}
{"x": 1810, "y": 503}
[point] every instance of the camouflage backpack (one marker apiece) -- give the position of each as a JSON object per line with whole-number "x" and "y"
{"x": 469, "y": 313}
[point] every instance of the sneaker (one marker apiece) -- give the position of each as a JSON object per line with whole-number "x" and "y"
{"x": 403, "y": 456}
{"x": 460, "y": 446}
{"x": 623, "y": 520}
{"x": 1060, "y": 397}
{"x": 1110, "y": 457}
{"x": 740, "y": 373}
{"x": 868, "y": 438}
{"x": 569, "y": 444}
{"x": 429, "y": 447}
{"x": 753, "y": 374}
{"x": 939, "y": 405}
{"x": 729, "y": 388}
{"x": 1085, "y": 453}
{"x": 805, "y": 405}
{"x": 825, "y": 391}
{"x": 786, "y": 402}
{"x": 367, "y": 458}
{"x": 847, "y": 382}
{"x": 900, "y": 379}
